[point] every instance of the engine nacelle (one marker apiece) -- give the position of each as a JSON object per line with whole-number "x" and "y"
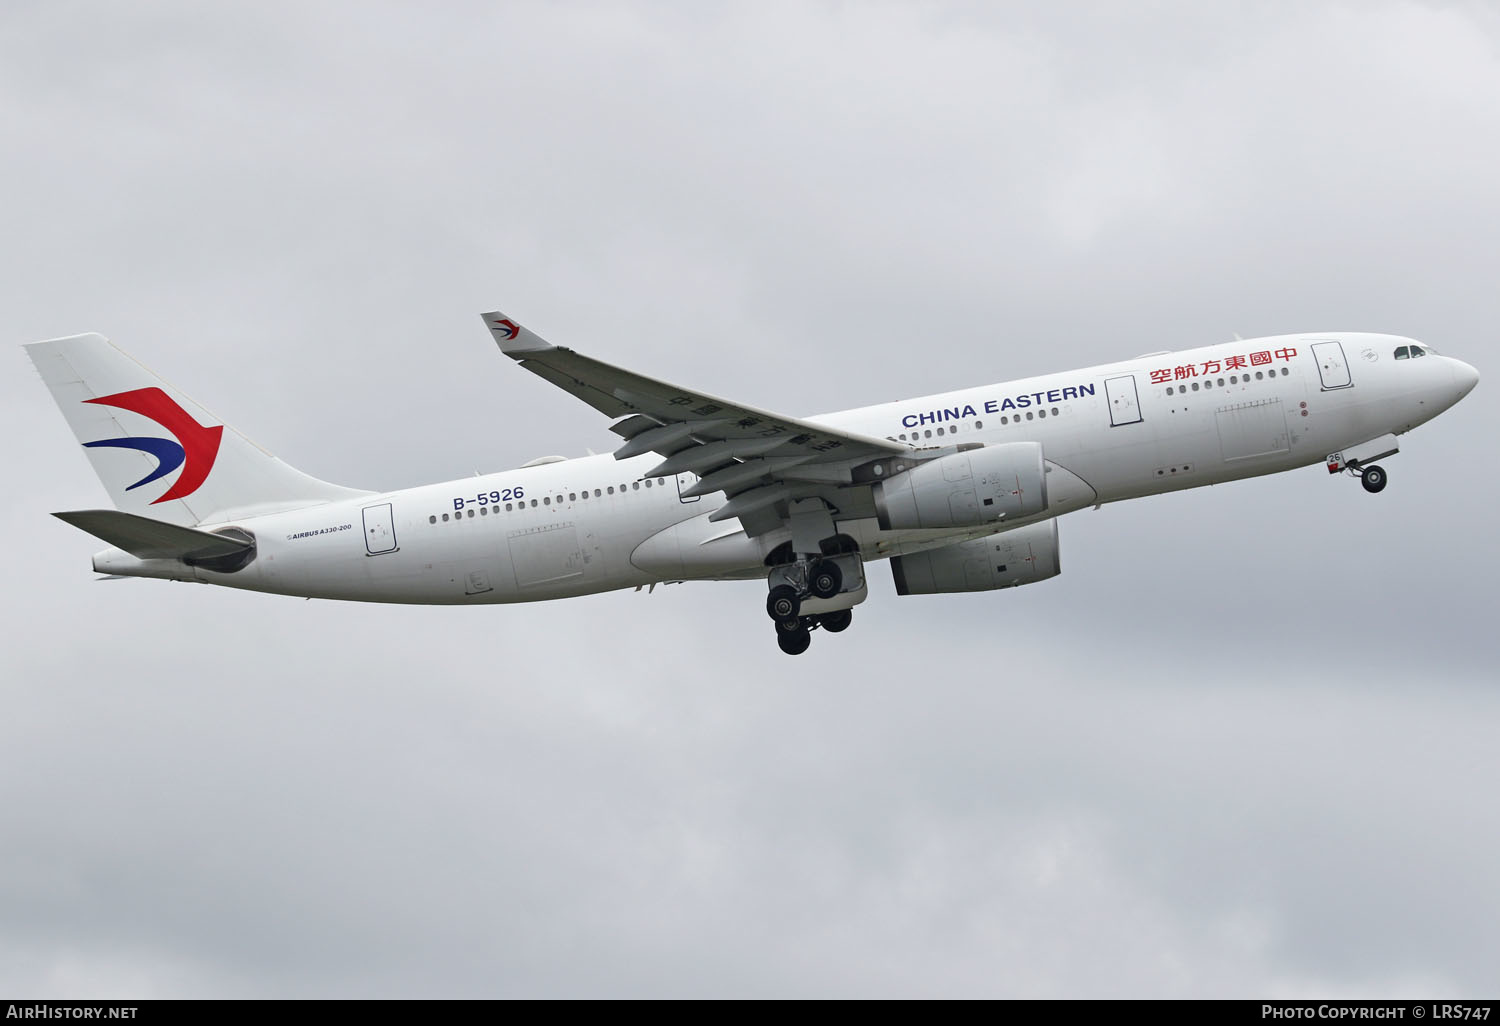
{"x": 967, "y": 489}
{"x": 1023, "y": 556}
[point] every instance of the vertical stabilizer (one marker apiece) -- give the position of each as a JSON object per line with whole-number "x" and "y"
{"x": 160, "y": 454}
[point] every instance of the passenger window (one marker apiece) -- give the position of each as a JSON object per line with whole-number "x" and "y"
{"x": 1195, "y": 386}
{"x": 1169, "y": 390}
{"x": 1221, "y": 382}
{"x": 572, "y": 497}
{"x": 508, "y": 507}
{"x": 940, "y": 431}
{"x": 546, "y": 500}
{"x": 484, "y": 511}
{"x": 1028, "y": 415}
{"x": 1401, "y": 353}
{"x": 471, "y": 514}
{"x": 979, "y": 425}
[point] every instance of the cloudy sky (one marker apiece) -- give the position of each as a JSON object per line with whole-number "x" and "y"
{"x": 1242, "y": 747}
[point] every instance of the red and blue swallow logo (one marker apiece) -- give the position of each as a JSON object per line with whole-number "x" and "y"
{"x": 512, "y": 329}
{"x": 195, "y": 449}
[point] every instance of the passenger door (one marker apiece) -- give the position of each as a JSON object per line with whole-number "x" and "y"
{"x": 1124, "y": 403}
{"x": 380, "y": 530}
{"x": 1333, "y": 369}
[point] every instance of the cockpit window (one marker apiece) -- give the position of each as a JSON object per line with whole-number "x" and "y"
{"x": 1401, "y": 352}
{"x": 1416, "y": 351}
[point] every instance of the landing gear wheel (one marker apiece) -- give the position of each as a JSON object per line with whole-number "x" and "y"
{"x": 792, "y": 626}
{"x": 1373, "y": 478}
{"x": 783, "y": 603}
{"x": 825, "y": 580}
{"x": 835, "y": 622}
{"x": 794, "y": 642}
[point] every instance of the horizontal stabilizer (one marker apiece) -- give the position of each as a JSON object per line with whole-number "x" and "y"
{"x": 145, "y": 538}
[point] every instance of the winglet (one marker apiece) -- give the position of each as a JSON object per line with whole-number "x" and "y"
{"x": 514, "y": 340}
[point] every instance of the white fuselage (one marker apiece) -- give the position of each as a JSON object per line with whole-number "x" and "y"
{"x": 1154, "y": 424}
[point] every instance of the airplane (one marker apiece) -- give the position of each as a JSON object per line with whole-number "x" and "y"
{"x": 960, "y": 491}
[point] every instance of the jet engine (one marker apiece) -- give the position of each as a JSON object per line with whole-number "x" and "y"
{"x": 1023, "y": 556}
{"x": 967, "y": 489}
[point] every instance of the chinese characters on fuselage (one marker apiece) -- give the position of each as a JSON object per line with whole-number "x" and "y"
{"x": 1206, "y": 368}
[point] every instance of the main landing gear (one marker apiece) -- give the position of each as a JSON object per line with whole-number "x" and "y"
{"x": 816, "y": 578}
{"x": 795, "y": 635}
{"x": 814, "y": 594}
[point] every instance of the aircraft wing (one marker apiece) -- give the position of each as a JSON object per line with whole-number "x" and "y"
{"x": 760, "y": 460}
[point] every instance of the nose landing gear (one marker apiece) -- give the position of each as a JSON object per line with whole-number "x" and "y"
{"x": 1360, "y": 459}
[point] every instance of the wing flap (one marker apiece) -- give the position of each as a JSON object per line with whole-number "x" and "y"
{"x": 738, "y": 474}
{"x": 632, "y": 426}
{"x": 752, "y": 501}
{"x": 702, "y": 458}
{"x": 666, "y": 439}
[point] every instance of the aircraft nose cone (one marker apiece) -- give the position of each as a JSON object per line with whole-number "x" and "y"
{"x": 1465, "y": 377}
